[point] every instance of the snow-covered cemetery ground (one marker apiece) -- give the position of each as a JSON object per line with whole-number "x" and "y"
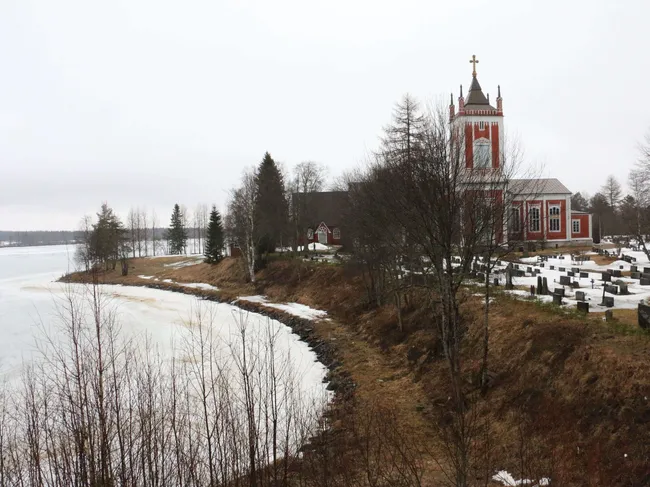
{"x": 623, "y": 280}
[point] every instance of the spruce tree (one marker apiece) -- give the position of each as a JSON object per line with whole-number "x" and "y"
{"x": 271, "y": 209}
{"x": 177, "y": 234}
{"x": 214, "y": 238}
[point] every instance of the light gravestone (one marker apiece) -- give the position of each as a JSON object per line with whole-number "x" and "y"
{"x": 580, "y": 295}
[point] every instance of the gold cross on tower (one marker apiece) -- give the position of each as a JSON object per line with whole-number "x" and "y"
{"x": 473, "y": 61}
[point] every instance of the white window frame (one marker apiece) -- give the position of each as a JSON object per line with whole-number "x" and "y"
{"x": 554, "y": 217}
{"x": 573, "y": 225}
{"x": 336, "y": 233}
{"x": 538, "y": 229}
{"x": 516, "y": 220}
{"x": 482, "y": 142}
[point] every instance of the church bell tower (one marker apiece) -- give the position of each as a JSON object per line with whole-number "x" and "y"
{"x": 482, "y": 125}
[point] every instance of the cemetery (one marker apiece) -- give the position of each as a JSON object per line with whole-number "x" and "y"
{"x": 579, "y": 282}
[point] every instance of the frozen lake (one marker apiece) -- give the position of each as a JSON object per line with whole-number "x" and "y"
{"x": 30, "y": 305}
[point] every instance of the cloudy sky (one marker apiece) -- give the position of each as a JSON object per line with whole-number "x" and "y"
{"x": 152, "y": 102}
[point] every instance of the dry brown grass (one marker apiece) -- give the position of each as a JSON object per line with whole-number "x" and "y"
{"x": 578, "y": 386}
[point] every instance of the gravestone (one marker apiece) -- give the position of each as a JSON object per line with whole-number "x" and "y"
{"x": 643, "y": 316}
{"x": 621, "y": 267}
{"x": 532, "y": 291}
{"x": 609, "y": 315}
{"x": 616, "y": 273}
{"x": 558, "y": 291}
{"x": 622, "y": 287}
{"x": 633, "y": 268}
{"x": 529, "y": 270}
{"x": 580, "y": 295}
{"x": 509, "y": 285}
{"x": 562, "y": 269}
{"x": 557, "y": 299}
{"x": 541, "y": 264}
{"x": 606, "y": 277}
{"x": 565, "y": 280}
{"x": 635, "y": 275}
{"x": 583, "y": 306}
{"x": 516, "y": 266}
{"x": 570, "y": 273}
{"x": 540, "y": 285}
{"x": 608, "y": 301}
{"x": 480, "y": 276}
{"x": 561, "y": 257}
{"x": 584, "y": 275}
{"x": 575, "y": 284}
{"x": 496, "y": 281}
{"x": 611, "y": 289}
{"x": 538, "y": 271}
{"x": 575, "y": 270}
{"x": 644, "y": 282}
{"x": 552, "y": 267}
{"x": 646, "y": 270}
{"x": 544, "y": 286}
{"x": 645, "y": 275}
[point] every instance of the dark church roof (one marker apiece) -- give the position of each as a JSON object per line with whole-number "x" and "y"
{"x": 323, "y": 206}
{"x": 476, "y": 99}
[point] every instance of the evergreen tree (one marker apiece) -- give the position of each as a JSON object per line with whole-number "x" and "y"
{"x": 271, "y": 209}
{"x": 107, "y": 242}
{"x": 214, "y": 239}
{"x": 177, "y": 234}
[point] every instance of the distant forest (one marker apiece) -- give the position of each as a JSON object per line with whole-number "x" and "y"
{"x": 42, "y": 237}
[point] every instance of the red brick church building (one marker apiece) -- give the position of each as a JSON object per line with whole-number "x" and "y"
{"x": 540, "y": 209}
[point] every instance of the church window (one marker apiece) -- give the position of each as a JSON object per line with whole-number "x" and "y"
{"x": 336, "y": 233}
{"x": 515, "y": 219}
{"x": 534, "y": 217}
{"x": 575, "y": 226}
{"x": 554, "y": 218}
{"x": 481, "y": 125}
{"x": 482, "y": 154}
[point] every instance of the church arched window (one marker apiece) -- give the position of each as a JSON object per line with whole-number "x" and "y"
{"x": 482, "y": 154}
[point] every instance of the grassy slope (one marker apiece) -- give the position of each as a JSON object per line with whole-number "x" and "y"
{"x": 571, "y": 391}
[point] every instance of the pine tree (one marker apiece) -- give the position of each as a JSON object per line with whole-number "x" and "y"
{"x": 214, "y": 238}
{"x": 177, "y": 234}
{"x": 271, "y": 209}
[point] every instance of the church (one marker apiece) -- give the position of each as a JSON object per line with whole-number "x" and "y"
{"x": 539, "y": 209}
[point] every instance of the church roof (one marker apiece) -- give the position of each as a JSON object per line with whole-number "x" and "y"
{"x": 538, "y": 186}
{"x": 476, "y": 98}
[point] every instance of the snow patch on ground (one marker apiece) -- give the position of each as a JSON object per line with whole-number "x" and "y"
{"x": 145, "y": 277}
{"x": 508, "y": 480}
{"x": 185, "y": 263}
{"x": 295, "y": 309}
{"x": 198, "y": 285}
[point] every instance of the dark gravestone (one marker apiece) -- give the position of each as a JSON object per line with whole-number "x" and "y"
{"x": 609, "y": 315}
{"x": 570, "y": 273}
{"x": 580, "y": 295}
{"x": 583, "y": 307}
{"x": 606, "y": 277}
{"x": 635, "y": 275}
{"x": 532, "y": 291}
{"x": 541, "y": 264}
{"x": 608, "y": 301}
{"x": 643, "y": 316}
{"x": 544, "y": 286}
{"x": 540, "y": 285}
{"x": 529, "y": 270}
{"x": 558, "y": 291}
{"x": 516, "y": 266}
{"x": 562, "y": 269}
{"x": 565, "y": 280}
{"x": 646, "y": 270}
{"x": 620, "y": 267}
{"x": 633, "y": 268}
{"x": 496, "y": 281}
{"x": 584, "y": 275}
{"x": 561, "y": 257}
{"x": 622, "y": 287}
{"x": 575, "y": 284}
{"x": 611, "y": 289}
{"x": 538, "y": 271}
{"x": 644, "y": 282}
{"x": 557, "y": 299}
{"x": 552, "y": 267}
{"x": 616, "y": 273}
{"x": 645, "y": 275}
{"x": 575, "y": 270}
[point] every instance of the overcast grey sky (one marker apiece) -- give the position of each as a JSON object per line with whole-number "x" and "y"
{"x": 152, "y": 102}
